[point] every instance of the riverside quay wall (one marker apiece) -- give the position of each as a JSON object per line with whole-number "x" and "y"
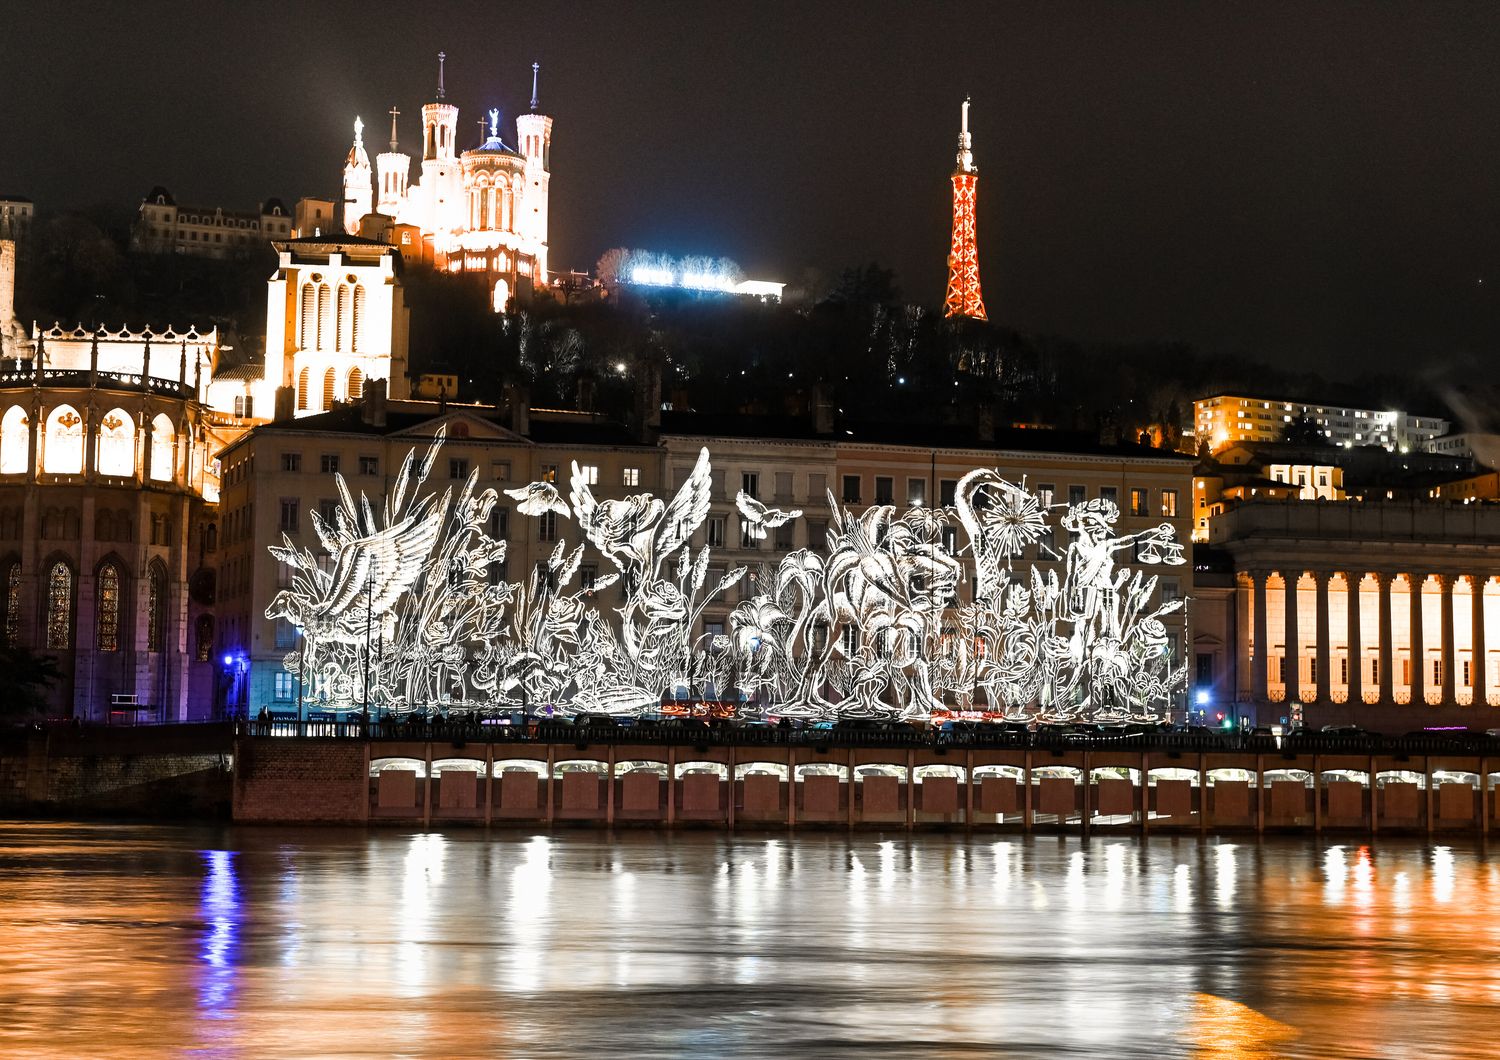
{"x": 557, "y": 776}
{"x": 171, "y": 771}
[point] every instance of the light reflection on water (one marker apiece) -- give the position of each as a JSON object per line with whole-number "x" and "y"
{"x": 132, "y": 940}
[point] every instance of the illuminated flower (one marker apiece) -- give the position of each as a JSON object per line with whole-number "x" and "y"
{"x": 625, "y": 528}
{"x": 756, "y": 623}
{"x": 1013, "y": 520}
{"x": 663, "y": 602}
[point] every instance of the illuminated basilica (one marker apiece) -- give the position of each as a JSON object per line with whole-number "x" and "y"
{"x": 482, "y": 211}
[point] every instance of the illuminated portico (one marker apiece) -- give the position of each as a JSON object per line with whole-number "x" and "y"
{"x": 1365, "y": 613}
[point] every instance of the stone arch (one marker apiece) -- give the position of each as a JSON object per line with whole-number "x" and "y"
{"x": 302, "y": 384}
{"x": 115, "y": 455}
{"x": 309, "y": 310}
{"x": 163, "y": 448}
{"x": 64, "y": 451}
{"x": 330, "y": 388}
{"x": 15, "y": 442}
{"x": 325, "y": 308}
{"x": 355, "y": 386}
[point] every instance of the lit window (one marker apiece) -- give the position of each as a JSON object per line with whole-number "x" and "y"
{"x": 590, "y": 473}
{"x": 156, "y": 607}
{"x": 632, "y": 476}
{"x": 1139, "y": 505}
{"x": 108, "y": 634}
{"x": 715, "y": 531}
{"x": 60, "y": 607}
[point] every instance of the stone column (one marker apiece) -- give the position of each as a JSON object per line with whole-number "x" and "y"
{"x": 1262, "y": 659}
{"x": 1480, "y": 656}
{"x": 1450, "y": 654}
{"x": 1356, "y": 652}
{"x": 1387, "y": 653}
{"x": 1292, "y": 658}
{"x": 1418, "y": 682}
{"x": 1324, "y": 679}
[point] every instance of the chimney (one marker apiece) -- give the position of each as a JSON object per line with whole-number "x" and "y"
{"x": 7, "y": 283}
{"x": 372, "y": 411}
{"x": 286, "y": 398}
{"x": 822, "y": 411}
{"x": 518, "y": 408}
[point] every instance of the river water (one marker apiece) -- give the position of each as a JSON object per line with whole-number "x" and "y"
{"x": 140, "y": 940}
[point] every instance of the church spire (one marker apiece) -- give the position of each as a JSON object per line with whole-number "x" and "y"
{"x": 394, "y": 115}
{"x": 535, "y": 69}
{"x": 442, "y": 57}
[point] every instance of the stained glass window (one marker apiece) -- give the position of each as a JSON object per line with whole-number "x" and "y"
{"x": 60, "y": 607}
{"x": 156, "y": 606}
{"x": 109, "y": 608}
{"x": 205, "y": 638}
{"x": 13, "y": 606}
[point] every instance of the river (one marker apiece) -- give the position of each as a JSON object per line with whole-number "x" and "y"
{"x": 145, "y": 940}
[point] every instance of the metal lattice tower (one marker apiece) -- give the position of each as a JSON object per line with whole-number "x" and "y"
{"x": 964, "y": 298}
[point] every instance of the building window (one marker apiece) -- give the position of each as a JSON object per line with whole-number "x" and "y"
{"x": 1170, "y": 590}
{"x": 285, "y": 634}
{"x": 369, "y": 465}
{"x": 549, "y": 473}
{"x": 1046, "y": 492}
{"x": 1204, "y": 669}
{"x": 289, "y": 508}
{"x": 500, "y": 470}
{"x": 328, "y": 511}
{"x": 156, "y": 607}
{"x": 1468, "y": 675}
{"x": 1077, "y": 494}
{"x": 13, "y": 606}
{"x": 747, "y": 537}
{"x": 1111, "y": 494}
{"x": 885, "y": 489}
{"x": 1437, "y": 673}
{"x": 750, "y": 485}
{"x": 590, "y": 473}
{"x": 291, "y": 461}
{"x": 851, "y": 489}
{"x": 1344, "y": 670}
{"x": 916, "y": 490}
{"x": 784, "y": 537}
{"x": 108, "y": 633}
{"x": 329, "y": 463}
{"x": 204, "y": 649}
{"x": 1139, "y": 505}
{"x": 283, "y": 686}
{"x": 632, "y": 476}
{"x": 60, "y": 607}
{"x": 499, "y": 522}
{"x": 458, "y": 469}
{"x": 783, "y": 485}
{"x": 1280, "y": 669}
{"x": 547, "y": 526}
{"x": 714, "y": 530}
{"x": 586, "y": 575}
{"x": 244, "y": 406}
{"x": 947, "y": 490}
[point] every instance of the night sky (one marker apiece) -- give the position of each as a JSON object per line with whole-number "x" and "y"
{"x": 1308, "y": 183}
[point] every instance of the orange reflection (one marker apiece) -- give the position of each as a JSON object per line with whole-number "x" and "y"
{"x": 1220, "y": 1029}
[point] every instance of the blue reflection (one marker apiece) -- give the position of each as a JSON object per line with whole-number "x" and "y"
{"x": 219, "y": 901}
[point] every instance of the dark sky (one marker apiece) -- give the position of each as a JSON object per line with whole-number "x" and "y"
{"x": 1311, "y": 183}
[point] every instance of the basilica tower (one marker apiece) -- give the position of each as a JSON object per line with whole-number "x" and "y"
{"x": 393, "y": 169}
{"x": 356, "y": 180}
{"x": 442, "y": 180}
{"x": 534, "y": 139}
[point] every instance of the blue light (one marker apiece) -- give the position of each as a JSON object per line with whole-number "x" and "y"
{"x": 229, "y": 660}
{"x": 1203, "y": 697}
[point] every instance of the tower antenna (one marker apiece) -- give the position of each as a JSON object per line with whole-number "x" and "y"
{"x": 535, "y": 67}
{"x": 964, "y": 298}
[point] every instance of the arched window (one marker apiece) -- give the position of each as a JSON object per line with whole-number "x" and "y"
{"x": 356, "y": 384}
{"x": 117, "y": 444}
{"x": 156, "y": 606}
{"x": 325, "y": 310}
{"x": 104, "y": 525}
{"x": 15, "y": 442}
{"x": 60, "y": 607}
{"x": 64, "y": 452}
{"x": 341, "y": 335}
{"x": 305, "y": 333}
{"x": 13, "y": 605}
{"x": 501, "y": 297}
{"x": 204, "y": 649}
{"x": 357, "y": 329}
{"x": 330, "y": 383}
{"x": 124, "y": 526}
{"x": 162, "y": 438}
{"x": 108, "y": 637}
{"x": 302, "y": 390}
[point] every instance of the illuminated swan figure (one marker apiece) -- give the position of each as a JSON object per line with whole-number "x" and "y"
{"x": 759, "y": 518}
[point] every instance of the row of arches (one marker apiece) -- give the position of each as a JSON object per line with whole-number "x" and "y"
{"x": 114, "y": 590}
{"x": 121, "y": 446}
{"x": 354, "y": 389}
{"x": 329, "y": 320}
{"x": 491, "y": 208}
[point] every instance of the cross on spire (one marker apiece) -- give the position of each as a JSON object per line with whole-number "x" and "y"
{"x": 394, "y": 115}
{"x": 441, "y": 57}
{"x": 535, "y": 67}
{"x": 482, "y": 126}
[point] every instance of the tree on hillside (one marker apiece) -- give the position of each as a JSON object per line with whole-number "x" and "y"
{"x": 25, "y": 677}
{"x": 1304, "y": 431}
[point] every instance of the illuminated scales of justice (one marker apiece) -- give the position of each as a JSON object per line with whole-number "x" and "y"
{"x": 406, "y": 597}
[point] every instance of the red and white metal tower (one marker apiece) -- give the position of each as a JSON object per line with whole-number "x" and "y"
{"x": 963, "y": 298}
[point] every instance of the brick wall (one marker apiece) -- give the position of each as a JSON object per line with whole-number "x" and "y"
{"x": 300, "y": 780}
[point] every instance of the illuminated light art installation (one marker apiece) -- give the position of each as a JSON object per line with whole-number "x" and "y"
{"x": 406, "y": 611}
{"x": 963, "y": 298}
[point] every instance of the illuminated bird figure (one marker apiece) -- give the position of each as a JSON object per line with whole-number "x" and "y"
{"x": 538, "y": 499}
{"x": 759, "y": 518}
